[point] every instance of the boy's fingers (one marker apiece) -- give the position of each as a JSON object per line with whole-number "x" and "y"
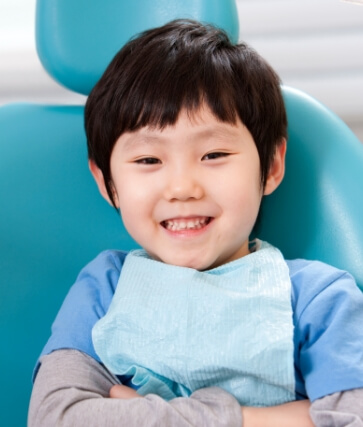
{"x": 123, "y": 392}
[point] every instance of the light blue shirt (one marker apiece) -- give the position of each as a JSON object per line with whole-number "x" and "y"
{"x": 327, "y": 315}
{"x": 175, "y": 330}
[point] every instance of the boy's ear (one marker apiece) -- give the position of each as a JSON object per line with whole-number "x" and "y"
{"x": 100, "y": 181}
{"x": 277, "y": 169}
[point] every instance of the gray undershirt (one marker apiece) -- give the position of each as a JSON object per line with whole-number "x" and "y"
{"x": 72, "y": 389}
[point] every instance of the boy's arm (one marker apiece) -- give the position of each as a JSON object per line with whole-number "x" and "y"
{"x": 339, "y": 409}
{"x": 71, "y": 388}
{"x": 344, "y": 409}
{"x": 285, "y": 415}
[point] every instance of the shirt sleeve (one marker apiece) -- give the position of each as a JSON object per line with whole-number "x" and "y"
{"x": 72, "y": 389}
{"x": 343, "y": 409}
{"x": 86, "y": 302}
{"x": 328, "y": 318}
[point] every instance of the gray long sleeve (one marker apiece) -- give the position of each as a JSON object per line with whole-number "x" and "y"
{"x": 339, "y": 409}
{"x": 71, "y": 389}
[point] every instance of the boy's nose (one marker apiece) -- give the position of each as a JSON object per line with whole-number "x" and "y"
{"x": 183, "y": 186}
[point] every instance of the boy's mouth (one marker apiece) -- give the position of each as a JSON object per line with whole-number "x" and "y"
{"x": 182, "y": 224}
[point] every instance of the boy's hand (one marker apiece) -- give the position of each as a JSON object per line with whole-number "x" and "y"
{"x": 123, "y": 392}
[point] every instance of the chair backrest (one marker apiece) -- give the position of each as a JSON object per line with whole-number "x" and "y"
{"x": 53, "y": 221}
{"x": 76, "y": 39}
{"x": 317, "y": 211}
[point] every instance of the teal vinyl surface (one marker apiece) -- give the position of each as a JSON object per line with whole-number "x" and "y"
{"x": 77, "y": 39}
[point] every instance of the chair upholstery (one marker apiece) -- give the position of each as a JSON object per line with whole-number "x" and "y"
{"x": 317, "y": 212}
{"x": 89, "y": 33}
{"x": 53, "y": 221}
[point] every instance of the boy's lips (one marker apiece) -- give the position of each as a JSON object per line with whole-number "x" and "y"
{"x": 187, "y": 223}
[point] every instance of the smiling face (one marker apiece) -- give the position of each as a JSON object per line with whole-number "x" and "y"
{"x": 190, "y": 193}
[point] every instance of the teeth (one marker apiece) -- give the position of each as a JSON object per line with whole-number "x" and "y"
{"x": 175, "y": 225}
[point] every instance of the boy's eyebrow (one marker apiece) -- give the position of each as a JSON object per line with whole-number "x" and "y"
{"x": 134, "y": 139}
{"x": 219, "y": 131}
{"x": 147, "y": 137}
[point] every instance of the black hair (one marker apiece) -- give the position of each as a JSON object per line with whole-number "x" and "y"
{"x": 183, "y": 65}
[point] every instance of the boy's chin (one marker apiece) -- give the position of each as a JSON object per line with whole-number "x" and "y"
{"x": 196, "y": 263}
{"x": 186, "y": 261}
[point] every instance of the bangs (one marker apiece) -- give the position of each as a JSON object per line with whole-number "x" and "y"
{"x": 160, "y": 105}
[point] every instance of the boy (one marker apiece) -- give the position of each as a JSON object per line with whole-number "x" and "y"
{"x": 186, "y": 134}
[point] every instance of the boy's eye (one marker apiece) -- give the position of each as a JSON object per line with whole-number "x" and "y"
{"x": 214, "y": 155}
{"x": 148, "y": 161}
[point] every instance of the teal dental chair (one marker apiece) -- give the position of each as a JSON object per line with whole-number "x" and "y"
{"x": 53, "y": 221}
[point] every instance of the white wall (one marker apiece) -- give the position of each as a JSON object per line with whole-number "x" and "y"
{"x": 315, "y": 45}
{"x": 22, "y": 77}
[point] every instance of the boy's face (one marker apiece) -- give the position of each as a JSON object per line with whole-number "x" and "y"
{"x": 190, "y": 194}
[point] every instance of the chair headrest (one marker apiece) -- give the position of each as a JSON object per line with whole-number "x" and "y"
{"x": 76, "y": 39}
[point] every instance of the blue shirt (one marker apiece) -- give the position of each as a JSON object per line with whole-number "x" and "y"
{"x": 328, "y": 319}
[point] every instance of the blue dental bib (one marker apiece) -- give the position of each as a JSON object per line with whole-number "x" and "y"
{"x": 174, "y": 330}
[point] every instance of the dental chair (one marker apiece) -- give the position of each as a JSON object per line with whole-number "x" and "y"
{"x": 53, "y": 221}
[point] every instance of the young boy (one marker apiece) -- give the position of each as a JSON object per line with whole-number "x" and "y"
{"x": 186, "y": 134}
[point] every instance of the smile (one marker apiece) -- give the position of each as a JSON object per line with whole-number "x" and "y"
{"x": 186, "y": 223}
